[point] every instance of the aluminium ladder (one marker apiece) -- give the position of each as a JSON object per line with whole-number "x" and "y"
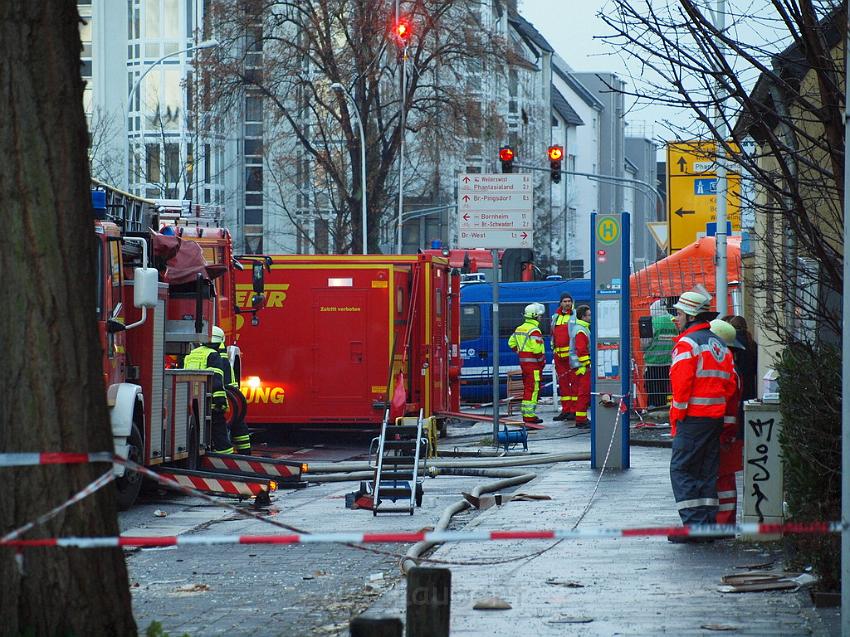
{"x": 399, "y": 449}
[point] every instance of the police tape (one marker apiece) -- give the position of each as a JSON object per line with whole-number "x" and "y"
{"x": 749, "y": 529}
{"x": 54, "y": 457}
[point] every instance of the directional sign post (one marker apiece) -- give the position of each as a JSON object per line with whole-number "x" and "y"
{"x": 692, "y": 192}
{"x": 495, "y": 211}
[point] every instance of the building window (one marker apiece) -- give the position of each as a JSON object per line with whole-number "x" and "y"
{"x": 152, "y": 163}
{"x": 254, "y": 244}
{"x": 322, "y": 236}
{"x": 253, "y": 216}
{"x": 172, "y": 163}
{"x": 254, "y": 178}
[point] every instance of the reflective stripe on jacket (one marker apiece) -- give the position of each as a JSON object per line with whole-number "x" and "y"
{"x": 527, "y": 341}
{"x": 702, "y": 376}
{"x": 580, "y": 350}
{"x": 204, "y": 357}
{"x": 561, "y": 333}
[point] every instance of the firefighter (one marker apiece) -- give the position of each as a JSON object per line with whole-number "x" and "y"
{"x": 239, "y": 434}
{"x": 731, "y": 440}
{"x": 207, "y": 357}
{"x": 580, "y": 364}
{"x": 704, "y": 384}
{"x": 527, "y": 342}
{"x": 561, "y": 328}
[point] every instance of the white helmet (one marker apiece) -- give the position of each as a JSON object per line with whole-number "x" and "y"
{"x": 217, "y": 334}
{"x": 694, "y": 302}
{"x": 726, "y": 332}
{"x": 534, "y": 310}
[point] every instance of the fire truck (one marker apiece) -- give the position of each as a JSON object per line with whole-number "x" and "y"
{"x": 160, "y": 416}
{"x": 341, "y": 337}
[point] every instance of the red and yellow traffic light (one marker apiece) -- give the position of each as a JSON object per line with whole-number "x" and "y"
{"x": 556, "y": 156}
{"x": 506, "y": 156}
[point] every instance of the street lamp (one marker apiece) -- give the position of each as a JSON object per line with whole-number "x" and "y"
{"x": 336, "y": 86}
{"x": 206, "y": 44}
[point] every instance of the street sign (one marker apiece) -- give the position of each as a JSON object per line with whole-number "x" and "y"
{"x": 658, "y": 230}
{"x": 495, "y": 211}
{"x": 692, "y": 192}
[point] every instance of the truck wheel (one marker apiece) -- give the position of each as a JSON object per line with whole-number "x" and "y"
{"x": 128, "y": 486}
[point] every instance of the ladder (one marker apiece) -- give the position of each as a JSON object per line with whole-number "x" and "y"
{"x": 399, "y": 449}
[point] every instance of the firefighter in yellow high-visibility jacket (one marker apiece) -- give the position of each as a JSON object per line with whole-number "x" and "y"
{"x": 206, "y": 356}
{"x": 527, "y": 342}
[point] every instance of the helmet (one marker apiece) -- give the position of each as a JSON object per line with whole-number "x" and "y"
{"x": 694, "y": 302}
{"x": 217, "y": 334}
{"x": 533, "y": 310}
{"x": 726, "y": 332}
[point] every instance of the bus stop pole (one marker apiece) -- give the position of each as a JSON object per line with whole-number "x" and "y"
{"x": 495, "y": 323}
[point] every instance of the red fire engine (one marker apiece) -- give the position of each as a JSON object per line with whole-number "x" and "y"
{"x": 341, "y": 337}
{"x": 159, "y": 416}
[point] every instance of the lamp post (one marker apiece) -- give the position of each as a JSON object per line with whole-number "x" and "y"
{"x": 206, "y": 44}
{"x": 336, "y": 86}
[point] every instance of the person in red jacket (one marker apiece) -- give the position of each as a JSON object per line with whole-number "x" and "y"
{"x": 731, "y": 440}
{"x": 704, "y": 385}
{"x": 580, "y": 362}
{"x": 560, "y": 325}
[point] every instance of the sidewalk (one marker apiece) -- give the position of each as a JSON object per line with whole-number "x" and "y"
{"x": 640, "y": 586}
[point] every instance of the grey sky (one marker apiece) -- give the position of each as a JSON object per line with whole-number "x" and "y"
{"x": 570, "y": 27}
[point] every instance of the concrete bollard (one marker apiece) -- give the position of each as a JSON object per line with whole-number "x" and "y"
{"x": 375, "y": 627}
{"x": 429, "y": 596}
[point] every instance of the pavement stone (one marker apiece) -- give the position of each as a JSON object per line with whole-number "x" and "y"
{"x": 638, "y": 586}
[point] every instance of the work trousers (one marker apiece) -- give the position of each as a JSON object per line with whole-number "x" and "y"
{"x": 241, "y": 437}
{"x": 694, "y": 464}
{"x": 220, "y": 438}
{"x": 581, "y": 389}
{"x": 731, "y": 461}
{"x": 530, "y": 390}
{"x": 565, "y": 384}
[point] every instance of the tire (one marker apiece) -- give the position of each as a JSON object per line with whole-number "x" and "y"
{"x": 127, "y": 487}
{"x": 237, "y": 406}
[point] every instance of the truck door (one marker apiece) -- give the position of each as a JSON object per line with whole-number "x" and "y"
{"x": 340, "y": 338}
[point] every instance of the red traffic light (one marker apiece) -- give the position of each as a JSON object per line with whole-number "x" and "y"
{"x": 556, "y": 153}
{"x": 506, "y": 154}
{"x": 402, "y": 31}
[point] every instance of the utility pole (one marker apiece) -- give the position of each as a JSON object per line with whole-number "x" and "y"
{"x": 722, "y": 132}
{"x": 845, "y": 366}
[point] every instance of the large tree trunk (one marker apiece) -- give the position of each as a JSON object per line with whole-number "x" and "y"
{"x": 51, "y": 388}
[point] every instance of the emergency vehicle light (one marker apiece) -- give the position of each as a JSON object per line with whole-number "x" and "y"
{"x": 305, "y": 468}
{"x": 253, "y": 382}
{"x": 272, "y": 486}
{"x": 341, "y": 283}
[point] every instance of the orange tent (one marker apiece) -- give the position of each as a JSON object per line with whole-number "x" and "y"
{"x": 670, "y": 277}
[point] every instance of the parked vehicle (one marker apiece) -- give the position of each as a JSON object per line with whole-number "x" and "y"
{"x": 341, "y": 337}
{"x": 476, "y": 328}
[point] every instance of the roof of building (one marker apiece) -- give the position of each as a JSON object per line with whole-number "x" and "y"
{"x": 791, "y": 65}
{"x": 529, "y": 33}
{"x": 631, "y": 166}
{"x": 563, "y": 108}
{"x": 565, "y": 73}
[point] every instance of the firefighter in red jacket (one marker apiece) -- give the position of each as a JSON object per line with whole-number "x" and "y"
{"x": 731, "y": 440}
{"x": 527, "y": 342}
{"x": 561, "y": 328}
{"x": 704, "y": 384}
{"x": 580, "y": 363}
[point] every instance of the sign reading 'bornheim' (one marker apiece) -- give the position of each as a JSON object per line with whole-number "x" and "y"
{"x": 495, "y": 211}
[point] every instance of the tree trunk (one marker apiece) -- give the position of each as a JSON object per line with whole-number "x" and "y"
{"x": 51, "y": 389}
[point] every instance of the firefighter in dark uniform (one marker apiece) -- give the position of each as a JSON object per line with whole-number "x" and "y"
{"x": 239, "y": 434}
{"x": 206, "y": 357}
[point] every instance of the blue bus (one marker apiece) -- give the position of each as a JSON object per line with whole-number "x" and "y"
{"x": 476, "y": 329}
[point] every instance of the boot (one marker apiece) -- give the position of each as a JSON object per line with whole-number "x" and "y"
{"x": 562, "y": 416}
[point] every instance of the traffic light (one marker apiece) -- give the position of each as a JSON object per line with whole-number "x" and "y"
{"x": 556, "y": 155}
{"x": 506, "y": 156}
{"x": 402, "y": 32}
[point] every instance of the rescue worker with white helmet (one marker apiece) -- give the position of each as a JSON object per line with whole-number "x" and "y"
{"x": 206, "y": 357}
{"x": 704, "y": 385}
{"x": 527, "y": 342}
{"x": 731, "y": 440}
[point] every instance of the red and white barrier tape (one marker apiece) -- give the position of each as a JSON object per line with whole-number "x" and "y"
{"x": 703, "y": 531}
{"x": 56, "y": 457}
{"x": 102, "y": 481}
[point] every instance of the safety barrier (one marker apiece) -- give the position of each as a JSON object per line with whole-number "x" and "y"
{"x": 702, "y": 531}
